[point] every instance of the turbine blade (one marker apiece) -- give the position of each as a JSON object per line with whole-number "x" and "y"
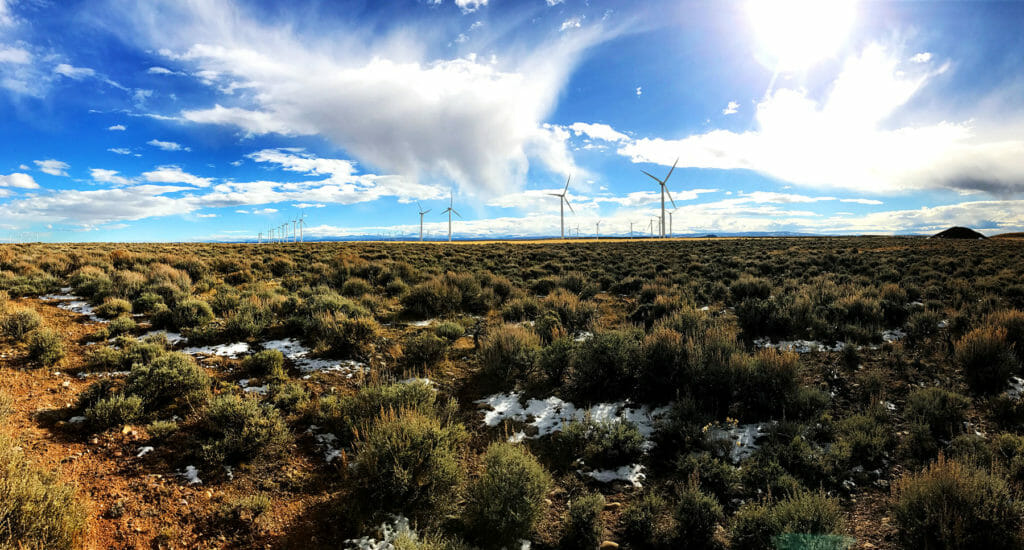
{"x": 652, "y": 177}
{"x": 427, "y": 211}
{"x": 556, "y": 195}
{"x": 566, "y": 184}
{"x": 673, "y": 168}
{"x": 567, "y": 203}
{"x": 670, "y": 197}
{"x": 456, "y": 212}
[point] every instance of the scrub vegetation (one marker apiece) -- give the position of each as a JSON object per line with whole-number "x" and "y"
{"x": 724, "y": 393}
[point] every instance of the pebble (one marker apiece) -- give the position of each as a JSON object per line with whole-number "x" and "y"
{"x": 613, "y": 506}
{"x": 609, "y": 545}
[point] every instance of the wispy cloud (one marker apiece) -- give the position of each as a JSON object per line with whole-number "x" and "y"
{"x": 53, "y": 167}
{"x": 167, "y": 145}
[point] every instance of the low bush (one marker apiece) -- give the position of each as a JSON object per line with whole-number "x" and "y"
{"x": 941, "y": 410}
{"x": 507, "y": 354}
{"x": 235, "y": 430}
{"x": 36, "y": 510}
{"x": 519, "y": 309}
{"x": 955, "y": 506}
{"x": 986, "y": 359}
{"x": 1012, "y": 321}
{"x": 341, "y": 335}
{"x": 245, "y": 513}
{"x": 748, "y": 287}
{"x": 714, "y": 474}
{"x": 45, "y": 347}
{"x": 800, "y": 520}
{"x": 267, "y": 363}
{"x": 344, "y": 414}
{"x": 696, "y": 515}
{"x": 505, "y": 503}
{"x": 113, "y": 307}
{"x": 122, "y": 325}
{"x": 289, "y": 397}
{"x": 601, "y": 443}
{"x": 169, "y": 380}
{"x": 355, "y": 287}
{"x": 602, "y": 367}
{"x": 663, "y": 365}
{"x": 770, "y": 382}
{"x": 115, "y": 410}
{"x": 408, "y": 463}
{"x": 553, "y": 360}
{"x": 423, "y": 350}
{"x": 644, "y": 522}
{"x": 162, "y": 429}
{"x": 191, "y": 313}
{"x": 574, "y": 313}
{"x": 20, "y": 322}
{"x": 864, "y": 439}
{"x": 584, "y": 525}
{"x": 449, "y": 330}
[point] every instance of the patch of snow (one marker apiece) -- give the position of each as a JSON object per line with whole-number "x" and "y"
{"x": 943, "y": 323}
{"x": 229, "y": 472}
{"x": 550, "y": 415}
{"x": 889, "y": 405}
{"x": 191, "y": 474}
{"x": 389, "y": 532}
{"x": 298, "y": 354}
{"x": 76, "y": 420}
{"x": 583, "y": 336}
{"x": 232, "y": 351}
{"x": 111, "y": 374}
{"x": 415, "y": 379}
{"x": 705, "y": 308}
{"x": 143, "y": 451}
{"x": 424, "y": 323}
{"x": 82, "y": 307}
{"x": 631, "y": 473}
{"x": 742, "y": 437}
{"x": 64, "y": 296}
{"x": 1016, "y": 389}
{"x": 326, "y": 442}
{"x": 893, "y": 335}
{"x": 799, "y": 346}
{"x": 260, "y": 390}
{"x": 173, "y": 338}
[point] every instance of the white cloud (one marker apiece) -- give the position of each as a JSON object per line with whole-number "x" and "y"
{"x": 17, "y": 179}
{"x": 120, "y": 150}
{"x": 328, "y": 86}
{"x": 731, "y": 108}
{"x": 101, "y": 206}
{"x": 554, "y": 2}
{"x": 265, "y": 211}
{"x": 844, "y": 141}
{"x": 102, "y": 175}
{"x": 297, "y": 161}
{"x": 15, "y": 55}
{"x": 206, "y": 215}
{"x": 167, "y": 145}
{"x": 862, "y": 201}
{"x": 922, "y": 57}
{"x": 74, "y": 73}
{"x": 571, "y": 23}
{"x": 639, "y": 90}
{"x": 174, "y": 174}
{"x": 53, "y": 167}
{"x": 117, "y": 128}
{"x": 470, "y": 6}
{"x": 161, "y": 70}
{"x": 598, "y": 131}
{"x": 6, "y": 19}
{"x": 309, "y": 205}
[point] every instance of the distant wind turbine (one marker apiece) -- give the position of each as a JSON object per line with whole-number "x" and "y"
{"x": 449, "y": 210}
{"x": 597, "y": 233}
{"x": 663, "y": 191}
{"x": 302, "y": 222}
{"x": 422, "y": 212}
{"x": 562, "y": 202}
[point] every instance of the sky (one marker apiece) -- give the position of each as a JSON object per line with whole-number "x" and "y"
{"x": 194, "y": 120}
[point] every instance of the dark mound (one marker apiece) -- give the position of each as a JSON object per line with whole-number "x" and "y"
{"x": 959, "y": 233}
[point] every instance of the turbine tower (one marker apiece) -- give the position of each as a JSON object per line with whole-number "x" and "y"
{"x": 562, "y": 201}
{"x": 663, "y": 191}
{"x": 302, "y": 222}
{"x": 597, "y": 233}
{"x": 449, "y": 210}
{"x": 422, "y": 212}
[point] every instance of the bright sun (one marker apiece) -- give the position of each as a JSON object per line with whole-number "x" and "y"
{"x": 794, "y": 34}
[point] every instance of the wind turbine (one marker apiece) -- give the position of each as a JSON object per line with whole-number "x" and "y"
{"x": 598, "y": 232}
{"x": 562, "y": 201}
{"x": 663, "y": 191}
{"x": 295, "y": 222}
{"x": 422, "y": 212}
{"x": 449, "y": 210}
{"x": 259, "y": 239}
{"x": 670, "y": 232}
{"x": 302, "y": 222}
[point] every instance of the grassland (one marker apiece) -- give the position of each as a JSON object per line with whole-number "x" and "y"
{"x": 713, "y": 393}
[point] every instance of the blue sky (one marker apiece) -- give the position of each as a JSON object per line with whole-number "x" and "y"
{"x": 210, "y": 119}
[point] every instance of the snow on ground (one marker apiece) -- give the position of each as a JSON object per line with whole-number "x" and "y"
{"x": 111, "y": 374}
{"x": 298, "y": 354}
{"x": 389, "y": 532}
{"x": 631, "y": 473}
{"x": 261, "y": 390}
{"x": 232, "y": 351}
{"x": 191, "y": 474}
{"x": 326, "y": 442}
{"x": 742, "y": 437}
{"x": 799, "y": 346}
{"x": 893, "y": 335}
{"x": 143, "y": 451}
{"x": 1016, "y": 389}
{"x": 76, "y": 420}
{"x": 173, "y": 338}
{"x": 424, "y": 323}
{"x": 583, "y": 336}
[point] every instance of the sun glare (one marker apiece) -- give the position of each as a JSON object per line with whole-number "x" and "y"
{"x": 793, "y": 35}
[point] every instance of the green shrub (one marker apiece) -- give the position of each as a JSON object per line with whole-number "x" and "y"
{"x": 113, "y": 307}
{"x": 770, "y": 383}
{"x": 507, "y": 353}
{"x": 602, "y": 368}
{"x": 986, "y": 359}
{"x": 20, "y": 322}
{"x": 236, "y": 430}
{"x": 36, "y": 510}
{"x": 715, "y": 475}
{"x": 601, "y": 443}
{"x": 268, "y": 363}
{"x": 941, "y": 410}
{"x": 432, "y": 298}
{"x": 1013, "y": 321}
{"x": 342, "y": 335}
{"x": 355, "y": 287}
{"x": 519, "y": 309}
{"x": 584, "y": 526}
{"x": 748, "y": 287}
{"x": 449, "y": 330}
{"x": 409, "y": 463}
{"x": 162, "y": 429}
{"x": 505, "y": 503}
{"x": 115, "y": 410}
{"x": 169, "y": 380}
{"x": 953, "y": 505}
{"x": 663, "y": 365}
{"x": 191, "y": 313}
{"x": 423, "y": 350}
{"x": 343, "y": 414}
{"x": 923, "y": 324}
{"x": 245, "y": 512}
{"x": 574, "y": 313}
{"x": 289, "y": 397}
{"x": 862, "y": 440}
{"x": 696, "y": 516}
{"x": 553, "y": 360}
{"x": 147, "y": 302}
{"x": 45, "y": 347}
{"x": 122, "y": 325}
{"x": 643, "y": 521}
{"x": 800, "y": 520}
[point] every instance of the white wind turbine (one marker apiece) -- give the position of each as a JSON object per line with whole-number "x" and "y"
{"x": 422, "y": 212}
{"x": 562, "y": 202}
{"x": 295, "y": 235}
{"x": 302, "y": 222}
{"x": 449, "y": 210}
{"x": 597, "y": 232}
{"x": 663, "y": 191}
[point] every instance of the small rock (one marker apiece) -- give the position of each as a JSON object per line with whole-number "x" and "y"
{"x": 94, "y": 441}
{"x": 613, "y": 506}
{"x": 65, "y": 384}
{"x": 609, "y": 545}
{"x": 548, "y": 501}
